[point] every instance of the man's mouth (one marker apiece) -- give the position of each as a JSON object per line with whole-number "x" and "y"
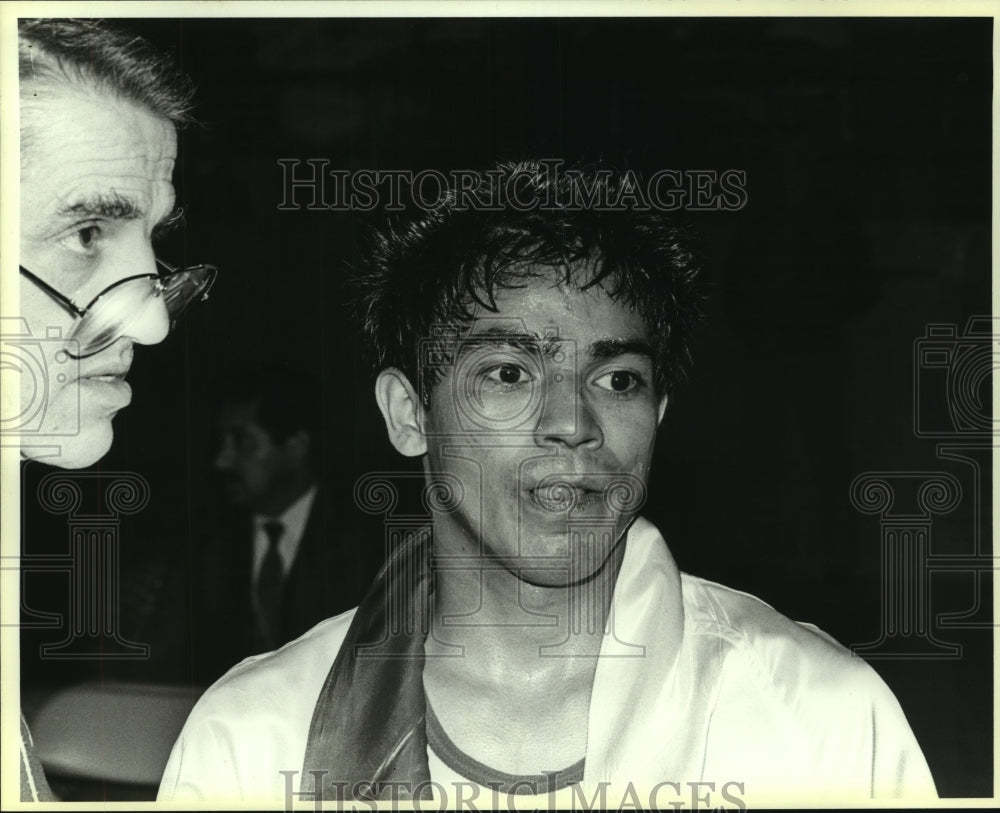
{"x": 107, "y": 387}
{"x": 108, "y": 373}
{"x": 562, "y": 497}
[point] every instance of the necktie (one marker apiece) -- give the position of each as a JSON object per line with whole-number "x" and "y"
{"x": 269, "y": 583}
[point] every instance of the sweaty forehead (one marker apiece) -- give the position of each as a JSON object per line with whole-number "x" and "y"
{"x": 550, "y": 308}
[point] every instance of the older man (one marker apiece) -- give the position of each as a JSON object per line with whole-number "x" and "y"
{"x": 535, "y": 639}
{"x": 99, "y": 114}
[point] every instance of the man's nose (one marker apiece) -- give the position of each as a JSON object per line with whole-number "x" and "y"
{"x": 566, "y": 418}
{"x": 150, "y": 323}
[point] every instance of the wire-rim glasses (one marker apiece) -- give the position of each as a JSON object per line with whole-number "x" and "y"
{"x": 109, "y": 315}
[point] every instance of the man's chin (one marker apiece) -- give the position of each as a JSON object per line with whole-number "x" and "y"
{"x": 575, "y": 555}
{"x": 70, "y": 452}
{"x": 236, "y": 494}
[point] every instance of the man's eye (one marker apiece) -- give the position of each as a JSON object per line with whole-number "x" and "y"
{"x": 507, "y": 374}
{"x": 84, "y": 239}
{"x": 618, "y": 381}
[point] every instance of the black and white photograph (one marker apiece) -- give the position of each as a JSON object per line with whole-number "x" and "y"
{"x": 554, "y": 405}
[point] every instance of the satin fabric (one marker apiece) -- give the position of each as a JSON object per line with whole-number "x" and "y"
{"x": 698, "y": 687}
{"x": 375, "y": 689}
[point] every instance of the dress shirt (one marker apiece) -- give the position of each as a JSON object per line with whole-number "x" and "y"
{"x": 293, "y": 522}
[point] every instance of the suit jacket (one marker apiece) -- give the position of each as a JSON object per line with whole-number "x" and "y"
{"x": 333, "y": 568}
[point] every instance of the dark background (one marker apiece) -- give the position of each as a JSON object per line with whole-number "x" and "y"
{"x": 866, "y": 145}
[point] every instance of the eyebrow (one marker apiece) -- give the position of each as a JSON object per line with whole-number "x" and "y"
{"x": 599, "y": 350}
{"x": 113, "y": 206}
{"x": 605, "y": 349}
{"x": 545, "y": 345}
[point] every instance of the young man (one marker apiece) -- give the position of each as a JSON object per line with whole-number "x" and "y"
{"x": 536, "y": 638}
{"x": 99, "y": 113}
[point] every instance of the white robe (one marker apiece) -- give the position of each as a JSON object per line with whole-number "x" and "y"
{"x": 699, "y": 691}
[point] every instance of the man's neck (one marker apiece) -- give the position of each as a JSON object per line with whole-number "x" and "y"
{"x": 283, "y": 497}
{"x": 492, "y": 609}
{"x": 518, "y": 660}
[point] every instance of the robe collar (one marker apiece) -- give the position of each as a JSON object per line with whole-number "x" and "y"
{"x": 367, "y": 739}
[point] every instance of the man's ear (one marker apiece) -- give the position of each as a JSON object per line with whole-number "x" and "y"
{"x": 402, "y": 411}
{"x": 662, "y": 409}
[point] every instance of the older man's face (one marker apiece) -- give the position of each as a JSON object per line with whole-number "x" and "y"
{"x": 95, "y": 181}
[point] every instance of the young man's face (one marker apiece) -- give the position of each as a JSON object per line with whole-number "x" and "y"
{"x": 95, "y": 180}
{"x": 547, "y": 417}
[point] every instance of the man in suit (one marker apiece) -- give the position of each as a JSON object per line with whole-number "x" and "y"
{"x": 285, "y": 552}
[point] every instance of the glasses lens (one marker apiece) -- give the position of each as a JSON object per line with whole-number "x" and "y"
{"x": 111, "y": 315}
{"x": 182, "y": 287}
{"x": 108, "y": 318}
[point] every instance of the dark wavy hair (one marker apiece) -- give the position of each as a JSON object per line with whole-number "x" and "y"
{"x": 286, "y": 396}
{"x": 113, "y": 61}
{"x": 449, "y": 262}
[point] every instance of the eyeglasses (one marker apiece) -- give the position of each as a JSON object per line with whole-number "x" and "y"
{"x": 117, "y": 308}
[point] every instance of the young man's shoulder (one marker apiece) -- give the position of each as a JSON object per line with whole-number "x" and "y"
{"x": 745, "y": 629}
{"x": 254, "y": 718}
{"x": 289, "y": 669}
{"x": 744, "y": 619}
{"x": 817, "y": 711}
